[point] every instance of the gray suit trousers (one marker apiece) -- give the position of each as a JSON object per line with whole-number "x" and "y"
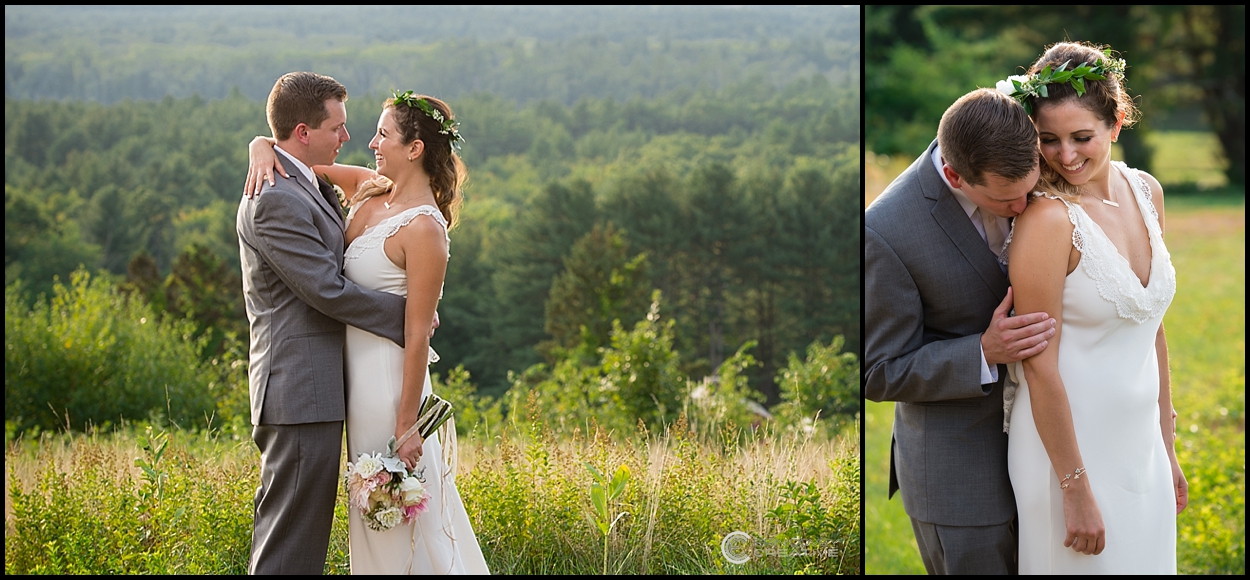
{"x": 293, "y": 515}
{"x": 951, "y": 550}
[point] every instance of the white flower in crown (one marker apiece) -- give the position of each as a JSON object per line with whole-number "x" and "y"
{"x": 1006, "y": 87}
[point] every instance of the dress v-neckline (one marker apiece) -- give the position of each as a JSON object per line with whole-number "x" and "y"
{"x": 1149, "y": 241}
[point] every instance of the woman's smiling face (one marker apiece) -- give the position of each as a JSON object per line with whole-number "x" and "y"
{"x": 386, "y": 146}
{"x": 1074, "y": 141}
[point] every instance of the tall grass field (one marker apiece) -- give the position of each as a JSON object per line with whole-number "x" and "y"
{"x": 1206, "y": 332}
{"x": 146, "y": 501}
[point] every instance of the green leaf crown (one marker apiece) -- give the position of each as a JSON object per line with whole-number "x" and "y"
{"x": 1023, "y": 87}
{"x": 449, "y": 127}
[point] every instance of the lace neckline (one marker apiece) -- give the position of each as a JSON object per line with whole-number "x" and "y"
{"x": 374, "y": 235}
{"x": 1111, "y": 271}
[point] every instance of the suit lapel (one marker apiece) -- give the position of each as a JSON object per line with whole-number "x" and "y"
{"x": 951, "y": 218}
{"x": 320, "y": 197}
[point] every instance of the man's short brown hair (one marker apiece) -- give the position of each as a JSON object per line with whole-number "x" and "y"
{"x": 986, "y": 131}
{"x": 299, "y": 97}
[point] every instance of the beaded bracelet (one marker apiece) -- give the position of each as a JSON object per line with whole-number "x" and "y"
{"x": 1067, "y": 479}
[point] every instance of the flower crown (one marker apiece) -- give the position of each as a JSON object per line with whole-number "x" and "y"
{"x": 1021, "y": 87}
{"x": 449, "y": 127}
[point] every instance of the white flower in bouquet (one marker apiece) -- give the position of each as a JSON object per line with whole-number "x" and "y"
{"x": 368, "y": 465}
{"x": 388, "y": 518}
{"x": 412, "y": 491}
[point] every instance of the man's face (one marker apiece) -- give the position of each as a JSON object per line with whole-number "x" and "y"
{"x": 324, "y": 142}
{"x": 998, "y": 195}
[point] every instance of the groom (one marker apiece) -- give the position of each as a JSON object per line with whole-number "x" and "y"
{"x": 939, "y": 332}
{"x": 291, "y": 248}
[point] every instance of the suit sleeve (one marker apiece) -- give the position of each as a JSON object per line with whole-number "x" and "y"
{"x": 287, "y": 238}
{"x": 901, "y": 366}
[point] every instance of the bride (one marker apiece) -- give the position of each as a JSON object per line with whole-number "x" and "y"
{"x": 396, "y": 235}
{"x": 1090, "y": 452}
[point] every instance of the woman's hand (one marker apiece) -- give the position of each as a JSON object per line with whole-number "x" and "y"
{"x": 1180, "y": 486}
{"x": 262, "y": 163}
{"x": 1086, "y": 532}
{"x": 410, "y": 451}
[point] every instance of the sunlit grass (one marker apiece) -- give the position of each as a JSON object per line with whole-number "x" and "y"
{"x": 81, "y": 504}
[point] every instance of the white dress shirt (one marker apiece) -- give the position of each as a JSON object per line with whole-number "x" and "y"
{"x": 306, "y": 170}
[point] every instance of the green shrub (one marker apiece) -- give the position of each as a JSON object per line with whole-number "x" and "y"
{"x": 472, "y": 413}
{"x": 90, "y": 356}
{"x": 820, "y": 392}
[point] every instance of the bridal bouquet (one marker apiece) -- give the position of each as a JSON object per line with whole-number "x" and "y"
{"x": 381, "y": 486}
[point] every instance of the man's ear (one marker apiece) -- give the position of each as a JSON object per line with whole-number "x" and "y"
{"x": 301, "y": 133}
{"x": 955, "y": 180}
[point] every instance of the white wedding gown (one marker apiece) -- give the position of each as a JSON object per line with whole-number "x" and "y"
{"x": 441, "y": 540}
{"x": 1110, "y": 370}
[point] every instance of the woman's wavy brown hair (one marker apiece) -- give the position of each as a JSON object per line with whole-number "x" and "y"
{"x": 446, "y": 170}
{"x": 1106, "y": 99}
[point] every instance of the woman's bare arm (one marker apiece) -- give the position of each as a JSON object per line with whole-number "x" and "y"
{"x": 1039, "y": 256}
{"x": 421, "y": 246}
{"x": 263, "y": 164}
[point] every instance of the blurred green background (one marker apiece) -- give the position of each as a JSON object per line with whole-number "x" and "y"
{"x": 1186, "y": 68}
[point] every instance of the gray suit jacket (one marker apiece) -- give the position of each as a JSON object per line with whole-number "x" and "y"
{"x": 291, "y": 248}
{"x": 931, "y": 286}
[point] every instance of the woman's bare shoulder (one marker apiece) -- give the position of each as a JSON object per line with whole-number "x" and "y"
{"x": 1045, "y": 214}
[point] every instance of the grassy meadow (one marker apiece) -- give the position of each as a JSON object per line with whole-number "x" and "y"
{"x": 1206, "y": 332}
{"x": 143, "y": 501}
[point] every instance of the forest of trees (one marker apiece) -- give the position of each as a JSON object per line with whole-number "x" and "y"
{"x": 719, "y": 165}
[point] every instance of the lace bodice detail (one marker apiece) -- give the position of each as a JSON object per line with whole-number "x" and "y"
{"x": 374, "y": 235}
{"x": 1110, "y": 270}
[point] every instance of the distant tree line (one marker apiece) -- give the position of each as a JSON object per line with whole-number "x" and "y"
{"x": 564, "y": 53}
{"x": 740, "y": 206}
{"x": 1180, "y": 58}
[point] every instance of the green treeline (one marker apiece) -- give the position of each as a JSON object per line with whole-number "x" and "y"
{"x": 524, "y": 53}
{"x": 1186, "y": 67}
{"x": 738, "y": 204}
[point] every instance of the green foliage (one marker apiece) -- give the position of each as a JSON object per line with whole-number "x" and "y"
{"x": 474, "y": 414}
{"x": 812, "y": 537}
{"x": 526, "y": 53}
{"x": 821, "y": 391}
{"x": 601, "y": 283}
{"x": 39, "y": 245}
{"x": 144, "y": 501}
{"x": 182, "y": 516}
{"x": 90, "y": 356}
{"x": 602, "y": 493}
{"x": 640, "y": 374}
{"x": 687, "y": 172}
{"x": 724, "y": 402}
{"x": 1181, "y": 60}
